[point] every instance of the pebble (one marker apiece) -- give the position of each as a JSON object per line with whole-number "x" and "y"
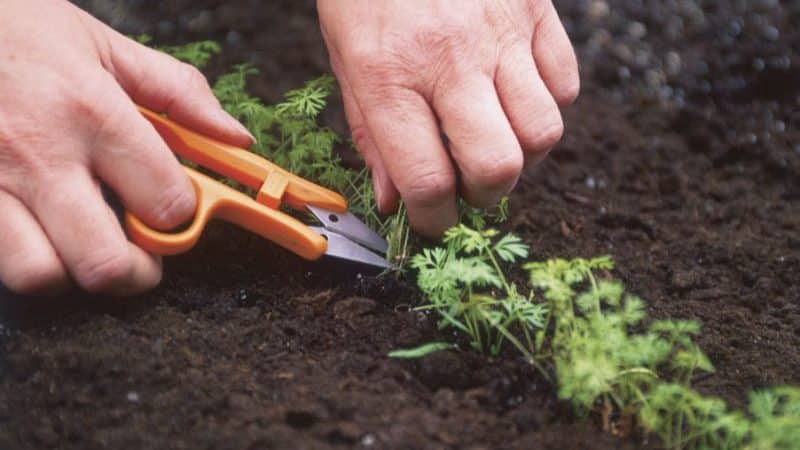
{"x": 655, "y": 78}
{"x": 234, "y": 38}
{"x": 133, "y": 397}
{"x": 672, "y": 63}
{"x": 771, "y": 33}
{"x": 368, "y": 440}
{"x": 735, "y": 27}
{"x": 623, "y": 52}
{"x": 637, "y": 30}
{"x": 598, "y": 9}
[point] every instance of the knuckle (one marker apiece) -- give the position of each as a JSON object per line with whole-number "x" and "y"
{"x": 543, "y": 138}
{"x": 497, "y": 172}
{"x": 192, "y": 76}
{"x": 430, "y": 188}
{"x": 104, "y": 269}
{"x": 361, "y": 138}
{"x": 36, "y": 276}
{"x": 175, "y": 205}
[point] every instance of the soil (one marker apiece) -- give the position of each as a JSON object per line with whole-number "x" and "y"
{"x": 681, "y": 159}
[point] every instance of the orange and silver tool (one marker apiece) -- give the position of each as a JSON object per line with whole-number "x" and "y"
{"x": 341, "y": 234}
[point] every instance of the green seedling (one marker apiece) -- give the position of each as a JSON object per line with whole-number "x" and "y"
{"x": 466, "y": 286}
{"x": 422, "y": 351}
{"x": 590, "y": 334}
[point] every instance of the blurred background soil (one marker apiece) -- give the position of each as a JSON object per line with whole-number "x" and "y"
{"x": 681, "y": 160}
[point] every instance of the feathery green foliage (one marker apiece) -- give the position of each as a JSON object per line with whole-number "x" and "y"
{"x": 582, "y": 325}
{"x": 466, "y": 286}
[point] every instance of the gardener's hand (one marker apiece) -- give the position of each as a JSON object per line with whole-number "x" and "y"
{"x": 67, "y": 124}
{"x": 489, "y": 74}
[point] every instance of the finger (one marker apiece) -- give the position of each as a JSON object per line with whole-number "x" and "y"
{"x": 406, "y": 134}
{"x": 88, "y": 238}
{"x": 531, "y": 109}
{"x": 555, "y": 58}
{"x": 134, "y": 161}
{"x": 482, "y": 142}
{"x": 164, "y": 84}
{"x": 386, "y": 194}
{"x": 28, "y": 263}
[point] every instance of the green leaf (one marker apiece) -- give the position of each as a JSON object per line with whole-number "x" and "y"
{"x": 195, "y": 53}
{"x": 510, "y": 248}
{"x": 421, "y": 351}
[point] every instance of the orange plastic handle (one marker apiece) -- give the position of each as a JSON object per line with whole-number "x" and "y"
{"x": 245, "y": 167}
{"x": 216, "y": 200}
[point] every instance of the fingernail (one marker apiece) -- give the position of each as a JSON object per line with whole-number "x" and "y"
{"x": 233, "y": 123}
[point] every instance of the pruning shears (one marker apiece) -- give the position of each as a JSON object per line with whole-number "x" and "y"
{"x": 340, "y": 233}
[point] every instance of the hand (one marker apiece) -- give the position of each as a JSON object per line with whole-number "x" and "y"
{"x": 68, "y": 124}
{"x": 489, "y": 74}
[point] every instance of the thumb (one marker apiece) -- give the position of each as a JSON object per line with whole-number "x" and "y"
{"x": 160, "y": 82}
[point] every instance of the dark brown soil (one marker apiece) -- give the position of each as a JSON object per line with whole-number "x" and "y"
{"x": 682, "y": 160}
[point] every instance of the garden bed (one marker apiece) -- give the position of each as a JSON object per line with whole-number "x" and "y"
{"x": 681, "y": 160}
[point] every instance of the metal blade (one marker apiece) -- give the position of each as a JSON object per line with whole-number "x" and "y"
{"x": 351, "y": 227}
{"x": 342, "y": 247}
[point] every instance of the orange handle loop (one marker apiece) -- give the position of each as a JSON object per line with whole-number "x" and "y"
{"x": 216, "y": 200}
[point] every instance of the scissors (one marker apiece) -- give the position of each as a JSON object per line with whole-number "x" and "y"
{"x": 340, "y": 233}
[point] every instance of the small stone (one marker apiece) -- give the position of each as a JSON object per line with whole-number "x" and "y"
{"x": 623, "y": 52}
{"x": 735, "y": 27}
{"x": 133, "y": 397}
{"x": 368, "y": 440}
{"x": 673, "y": 63}
{"x": 654, "y": 78}
{"x": 637, "y": 30}
{"x": 591, "y": 183}
{"x": 234, "y": 38}
{"x": 771, "y": 33}
{"x": 598, "y": 9}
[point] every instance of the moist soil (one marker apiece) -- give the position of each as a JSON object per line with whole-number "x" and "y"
{"x": 681, "y": 160}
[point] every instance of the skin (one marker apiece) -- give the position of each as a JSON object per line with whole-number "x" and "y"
{"x": 489, "y": 75}
{"x": 68, "y": 123}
